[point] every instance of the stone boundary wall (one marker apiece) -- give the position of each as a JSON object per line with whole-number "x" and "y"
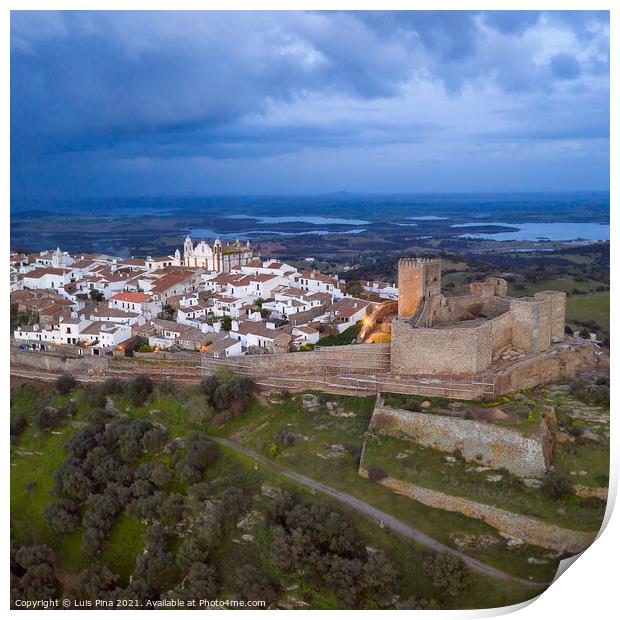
{"x": 366, "y": 358}
{"x": 528, "y": 529}
{"x": 492, "y": 445}
{"x": 558, "y": 364}
{"x": 61, "y": 363}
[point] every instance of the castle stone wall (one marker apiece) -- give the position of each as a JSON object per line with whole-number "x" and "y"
{"x": 368, "y": 358}
{"x": 555, "y": 365}
{"x": 489, "y": 444}
{"x": 531, "y": 326}
{"x": 557, "y": 300}
{"x": 501, "y": 331}
{"x": 490, "y": 287}
{"x": 457, "y": 351}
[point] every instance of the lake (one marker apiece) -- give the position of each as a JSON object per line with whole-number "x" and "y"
{"x": 310, "y": 219}
{"x": 532, "y": 231}
{"x": 249, "y": 234}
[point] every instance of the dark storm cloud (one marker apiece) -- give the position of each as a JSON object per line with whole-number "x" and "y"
{"x": 94, "y": 93}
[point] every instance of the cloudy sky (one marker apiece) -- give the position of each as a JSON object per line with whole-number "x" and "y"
{"x": 134, "y": 103}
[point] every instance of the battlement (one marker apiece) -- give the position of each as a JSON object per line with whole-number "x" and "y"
{"x": 417, "y": 261}
{"x": 418, "y": 279}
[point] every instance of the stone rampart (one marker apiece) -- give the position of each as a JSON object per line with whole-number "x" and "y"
{"x": 531, "y": 323}
{"x": 489, "y": 444}
{"x": 527, "y": 529}
{"x": 557, "y": 300}
{"x": 561, "y": 362}
{"x": 501, "y": 332}
{"x": 363, "y": 358}
{"x": 451, "y": 351}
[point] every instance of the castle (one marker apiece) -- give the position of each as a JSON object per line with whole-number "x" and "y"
{"x": 219, "y": 257}
{"x": 465, "y": 335}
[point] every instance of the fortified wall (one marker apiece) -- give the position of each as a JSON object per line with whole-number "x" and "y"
{"x": 488, "y": 444}
{"x": 474, "y": 346}
{"x": 464, "y": 335}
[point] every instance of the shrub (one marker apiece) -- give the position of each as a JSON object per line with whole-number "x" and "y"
{"x": 94, "y": 395}
{"x": 63, "y": 515}
{"x": 65, "y": 383}
{"x": 97, "y": 582}
{"x": 32, "y": 573}
{"x": 252, "y": 584}
{"x": 447, "y": 573}
{"x": 139, "y": 389}
{"x": 376, "y": 474}
{"x": 556, "y": 486}
{"x": 166, "y": 388}
{"x": 113, "y": 387}
{"x": 49, "y": 417}
{"x": 19, "y": 422}
{"x": 208, "y": 386}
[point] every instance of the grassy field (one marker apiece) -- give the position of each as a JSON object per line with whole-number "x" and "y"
{"x": 594, "y": 307}
{"x": 261, "y": 426}
{"x": 429, "y": 468}
{"x": 36, "y": 455}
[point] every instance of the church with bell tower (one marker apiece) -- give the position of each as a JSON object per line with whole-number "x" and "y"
{"x": 217, "y": 257}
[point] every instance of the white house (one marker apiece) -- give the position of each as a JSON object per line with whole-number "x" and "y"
{"x": 315, "y": 282}
{"x": 47, "y": 278}
{"x": 348, "y": 311}
{"x": 37, "y": 333}
{"x": 71, "y": 327}
{"x": 254, "y": 333}
{"x": 385, "y": 290}
{"x": 224, "y": 348}
{"x": 140, "y": 303}
{"x": 105, "y": 335}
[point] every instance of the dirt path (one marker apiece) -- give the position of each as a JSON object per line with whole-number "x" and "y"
{"x": 377, "y": 515}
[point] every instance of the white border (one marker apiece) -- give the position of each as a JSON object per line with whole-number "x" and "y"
{"x": 588, "y": 589}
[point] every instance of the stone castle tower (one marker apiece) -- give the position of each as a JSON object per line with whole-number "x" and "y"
{"x": 418, "y": 279}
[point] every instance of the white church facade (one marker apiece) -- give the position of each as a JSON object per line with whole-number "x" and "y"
{"x": 218, "y": 257}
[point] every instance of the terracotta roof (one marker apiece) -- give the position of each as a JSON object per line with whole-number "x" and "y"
{"x": 83, "y": 263}
{"x": 257, "y": 328}
{"x": 136, "y": 298}
{"x": 347, "y": 307}
{"x": 170, "y": 280}
{"x": 46, "y": 271}
{"x": 221, "y": 345}
{"x": 225, "y": 299}
{"x": 263, "y": 277}
{"x": 136, "y": 262}
{"x": 318, "y": 276}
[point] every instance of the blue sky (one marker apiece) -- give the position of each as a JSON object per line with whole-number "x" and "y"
{"x": 148, "y": 103}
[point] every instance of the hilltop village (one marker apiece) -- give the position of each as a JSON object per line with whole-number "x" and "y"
{"x": 220, "y": 299}
{"x": 224, "y": 304}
